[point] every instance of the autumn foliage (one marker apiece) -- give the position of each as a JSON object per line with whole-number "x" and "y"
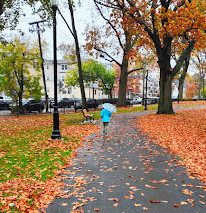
{"x": 31, "y": 163}
{"x": 191, "y": 91}
{"x": 183, "y": 134}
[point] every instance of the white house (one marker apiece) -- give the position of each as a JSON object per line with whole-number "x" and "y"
{"x": 63, "y": 91}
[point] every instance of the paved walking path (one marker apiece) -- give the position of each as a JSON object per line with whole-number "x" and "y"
{"x": 124, "y": 172}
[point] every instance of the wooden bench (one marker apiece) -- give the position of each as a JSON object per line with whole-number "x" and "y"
{"x": 87, "y": 116}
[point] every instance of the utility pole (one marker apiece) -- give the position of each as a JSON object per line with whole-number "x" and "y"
{"x": 145, "y": 99}
{"x": 38, "y": 29}
{"x": 143, "y": 95}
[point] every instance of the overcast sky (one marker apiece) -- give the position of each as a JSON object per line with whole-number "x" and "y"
{"x": 83, "y": 16}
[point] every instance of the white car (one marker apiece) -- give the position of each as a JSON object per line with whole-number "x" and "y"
{"x": 137, "y": 100}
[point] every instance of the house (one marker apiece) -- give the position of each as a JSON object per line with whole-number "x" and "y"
{"x": 63, "y": 91}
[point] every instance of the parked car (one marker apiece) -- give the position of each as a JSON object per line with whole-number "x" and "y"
{"x": 4, "y": 105}
{"x": 129, "y": 102}
{"x": 51, "y": 102}
{"x": 91, "y": 103}
{"x": 65, "y": 102}
{"x": 34, "y": 105}
{"x": 137, "y": 100}
{"x": 152, "y": 100}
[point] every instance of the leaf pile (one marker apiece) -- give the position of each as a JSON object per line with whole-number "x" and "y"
{"x": 30, "y": 162}
{"x": 184, "y": 134}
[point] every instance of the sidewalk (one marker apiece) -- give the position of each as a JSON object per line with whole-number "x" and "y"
{"x": 124, "y": 172}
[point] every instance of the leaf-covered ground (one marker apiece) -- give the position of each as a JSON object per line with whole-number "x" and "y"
{"x": 30, "y": 162}
{"x": 184, "y": 134}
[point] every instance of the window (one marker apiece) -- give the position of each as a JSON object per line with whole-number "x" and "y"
{"x": 47, "y": 66}
{"x": 47, "y": 78}
{"x": 69, "y": 90}
{"x": 64, "y": 66}
{"x": 95, "y": 91}
{"x": 63, "y": 78}
{"x": 47, "y": 89}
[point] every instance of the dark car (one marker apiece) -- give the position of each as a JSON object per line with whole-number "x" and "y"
{"x": 91, "y": 103}
{"x": 65, "y": 102}
{"x": 4, "y": 105}
{"x": 34, "y": 105}
{"x": 129, "y": 102}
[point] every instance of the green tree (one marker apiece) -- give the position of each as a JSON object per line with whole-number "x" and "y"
{"x": 12, "y": 10}
{"x": 93, "y": 71}
{"x": 97, "y": 72}
{"x": 15, "y": 78}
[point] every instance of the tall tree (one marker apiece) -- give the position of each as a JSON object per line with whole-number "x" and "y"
{"x": 160, "y": 22}
{"x": 77, "y": 51}
{"x": 74, "y": 33}
{"x": 122, "y": 49}
{"x": 199, "y": 59}
{"x": 176, "y": 52}
{"x": 15, "y": 78}
{"x": 182, "y": 77}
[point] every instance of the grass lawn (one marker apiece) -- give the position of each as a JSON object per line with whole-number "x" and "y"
{"x": 30, "y": 163}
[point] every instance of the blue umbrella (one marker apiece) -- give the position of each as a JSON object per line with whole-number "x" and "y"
{"x": 109, "y": 107}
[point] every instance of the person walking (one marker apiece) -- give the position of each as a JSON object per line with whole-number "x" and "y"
{"x": 105, "y": 115}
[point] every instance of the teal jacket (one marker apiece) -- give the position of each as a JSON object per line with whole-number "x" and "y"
{"x": 105, "y": 115}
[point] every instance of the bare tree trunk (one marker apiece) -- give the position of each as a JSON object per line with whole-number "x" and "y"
{"x": 182, "y": 78}
{"x": 123, "y": 84}
{"x": 165, "y": 100}
{"x": 122, "y": 101}
{"x": 81, "y": 82}
{"x": 181, "y": 87}
{"x": 199, "y": 87}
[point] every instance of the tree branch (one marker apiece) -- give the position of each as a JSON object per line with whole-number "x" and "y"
{"x": 112, "y": 59}
{"x": 153, "y": 16}
{"x": 182, "y": 57}
{"x": 66, "y": 22}
{"x": 131, "y": 71}
{"x": 112, "y": 26}
{"x": 139, "y": 20}
{"x": 180, "y": 4}
{"x": 106, "y": 5}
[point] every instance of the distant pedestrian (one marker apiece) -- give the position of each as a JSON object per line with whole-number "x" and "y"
{"x": 105, "y": 114}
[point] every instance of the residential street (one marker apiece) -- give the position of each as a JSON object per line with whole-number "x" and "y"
{"x": 125, "y": 172}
